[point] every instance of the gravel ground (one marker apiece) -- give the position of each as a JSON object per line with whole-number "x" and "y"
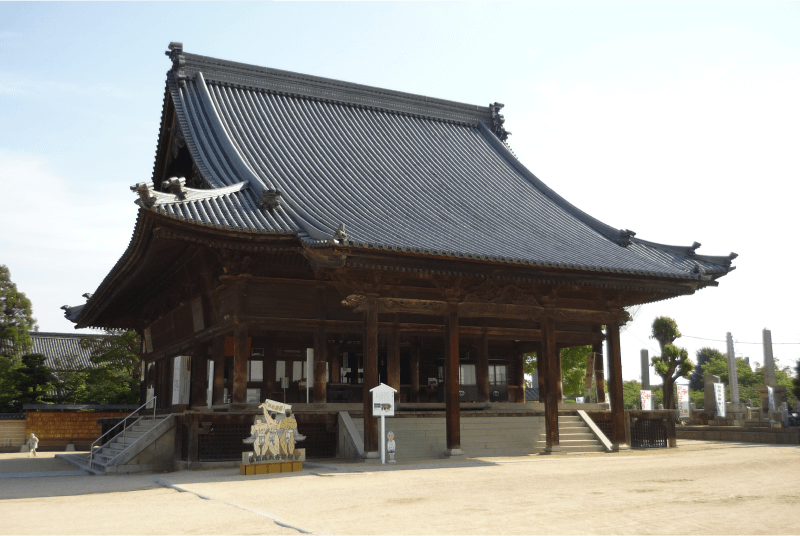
{"x": 698, "y": 488}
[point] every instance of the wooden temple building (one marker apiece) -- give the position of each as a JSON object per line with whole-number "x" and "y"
{"x": 396, "y": 235}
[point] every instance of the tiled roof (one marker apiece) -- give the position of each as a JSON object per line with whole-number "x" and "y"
{"x": 63, "y": 350}
{"x": 353, "y": 166}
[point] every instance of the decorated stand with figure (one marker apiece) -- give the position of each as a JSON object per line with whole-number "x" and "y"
{"x": 273, "y": 439}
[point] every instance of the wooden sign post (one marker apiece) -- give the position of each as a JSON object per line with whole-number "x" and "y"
{"x": 383, "y": 406}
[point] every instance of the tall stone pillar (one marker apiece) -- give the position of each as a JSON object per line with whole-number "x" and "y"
{"x": 645, "y": 369}
{"x": 769, "y": 361}
{"x": 733, "y": 376}
{"x": 710, "y": 399}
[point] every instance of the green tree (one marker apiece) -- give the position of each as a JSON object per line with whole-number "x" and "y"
{"x": 9, "y": 384}
{"x": 702, "y": 357}
{"x": 115, "y": 377}
{"x": 673, "y": 363}
{"x": 35, "y": 381}
{"x": 573, "y": 368}
{"x": 796, "y": 380}
{"x": 16, "y": 318}
{"x": 748, "y": 380}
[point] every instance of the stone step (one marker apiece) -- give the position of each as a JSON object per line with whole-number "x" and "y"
{"x": 585, "y": 435}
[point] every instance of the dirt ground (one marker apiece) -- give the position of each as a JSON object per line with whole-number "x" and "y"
{"x": 698, "y": 488}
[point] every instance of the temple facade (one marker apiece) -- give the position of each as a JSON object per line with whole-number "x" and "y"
{"x": 304, "y": 239}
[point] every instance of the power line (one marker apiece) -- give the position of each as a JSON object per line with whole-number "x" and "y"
{"x": 737, "y": 342}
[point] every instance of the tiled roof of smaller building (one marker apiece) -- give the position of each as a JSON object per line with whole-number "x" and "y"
{"x": 63, "y": 350}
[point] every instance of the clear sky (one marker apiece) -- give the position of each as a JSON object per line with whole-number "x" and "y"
{"x": 680, "y": 121}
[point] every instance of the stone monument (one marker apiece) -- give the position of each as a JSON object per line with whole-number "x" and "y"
{"x": 779, "y": 391}
{"x": 735, "y": 410}
{"x": 645, "y": 369}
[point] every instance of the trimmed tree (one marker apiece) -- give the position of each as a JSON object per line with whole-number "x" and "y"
{"x": 673, "y": 363}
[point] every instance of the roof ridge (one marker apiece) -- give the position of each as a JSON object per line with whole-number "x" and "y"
{"x": 186, "y": 66}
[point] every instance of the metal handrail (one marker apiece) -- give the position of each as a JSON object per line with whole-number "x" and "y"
{"x": 124, "y": 422}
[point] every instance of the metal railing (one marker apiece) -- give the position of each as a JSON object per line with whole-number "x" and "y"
{"x": 124, "y": 423}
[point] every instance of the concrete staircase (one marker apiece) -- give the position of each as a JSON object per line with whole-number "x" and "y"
{"x": 420, "y": 438}
{"x": 574, "y": 436}
{"x": 145, "y": 446}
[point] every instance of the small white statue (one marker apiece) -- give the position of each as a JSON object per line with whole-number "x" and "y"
{"x": 390, "y": 445}
{"x": 33, "y": 443}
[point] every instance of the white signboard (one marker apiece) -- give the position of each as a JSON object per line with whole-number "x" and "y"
{"x": 273, "y": 405}
{"x": 771, "y": 398}
{"x": 579, "y": 399}
{"x": 683, "y": 402}
{"x": 647, "y": 399}
{"x": 383, "y": 401}
{"x": 719, "y": 395}
{"x": 383, "y": 406}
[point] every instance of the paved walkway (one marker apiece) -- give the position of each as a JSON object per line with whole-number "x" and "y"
{"x": 698, "y": 488}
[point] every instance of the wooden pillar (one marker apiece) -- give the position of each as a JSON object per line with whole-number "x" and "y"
{"x": 452, "y": 399}
{"x": 552, "y": 360}
{"x": 218, "y": 355}
{"x": 519, "y": 375}
{"x": 370, "y": 374}
{"x": 393, "y": 358}
{"x": 194, "y": 444}
{"x": 320, "y": 365}
{"x": 239, "y": 395}
{"x": 414, "y": 370}
{"x": 541, "y": 371}
{"x": 482, "y": 365}
{"x": 599, "y": 368}
{"x": 615, "y": 385}
{"x": 199, "y": 373}
{"x": 335, "y": 359}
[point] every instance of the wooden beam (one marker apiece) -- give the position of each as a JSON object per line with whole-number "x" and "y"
{"x": 615, "y": 385}
{"x": 218, "y": 355}
{"x": 239, "y": 395}
{"x": 482, "y": 365}
{"x": 198, "y": 375}
{"x": 320, "y": 365}
{"x": 370, "y": 375}
{"x": 599, "y": 368}
{"x": 393, "y": 358}
{"x": 451, "y": 387}
{"x": 552, "y": 384}
{"x": 518, "y": 365}
{"x": 571, "y": 338}
{"x": 415, "y": 373}
{"x": 541, "y": 372}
